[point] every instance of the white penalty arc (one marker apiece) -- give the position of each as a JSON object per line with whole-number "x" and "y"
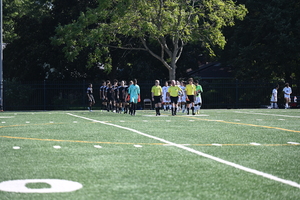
{"x": 253, "y": 171}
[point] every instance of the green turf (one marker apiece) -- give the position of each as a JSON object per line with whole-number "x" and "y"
{"x": 153, "y": 170}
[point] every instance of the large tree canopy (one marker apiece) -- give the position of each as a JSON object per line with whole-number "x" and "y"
{"x": 148, "y": 24}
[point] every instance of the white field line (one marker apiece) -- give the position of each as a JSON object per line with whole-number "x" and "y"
{"x": 253, "y": 171}
{"x": 252, "y": 113}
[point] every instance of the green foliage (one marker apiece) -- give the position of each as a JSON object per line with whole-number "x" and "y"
{"x": 16, "y": 93}
{"x": 169, "y": 24}
{"x": 266, "y": 44}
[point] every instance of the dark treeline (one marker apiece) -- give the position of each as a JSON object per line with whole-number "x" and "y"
{"x": 264, "y": 46}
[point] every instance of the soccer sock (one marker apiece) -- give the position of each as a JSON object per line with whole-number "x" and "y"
{"x": 183, "y": 108}
{"x": 193, "y": 110}
{"x": 134, "y": 108}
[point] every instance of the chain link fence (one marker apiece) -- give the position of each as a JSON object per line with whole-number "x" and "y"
{"x": 71, "y": 95}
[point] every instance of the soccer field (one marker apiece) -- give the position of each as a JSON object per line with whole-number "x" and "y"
{"x": 217, "y": 154}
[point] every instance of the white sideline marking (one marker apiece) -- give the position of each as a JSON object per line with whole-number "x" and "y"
{"x": 253, "y": 171}
{"x": 16, "y": 147}
{"x": 136, "y": 145}
{"x": 97, "y": 146}
{"x": 56, "y": 147}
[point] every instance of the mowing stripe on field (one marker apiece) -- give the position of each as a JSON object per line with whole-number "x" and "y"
{"x": 253, "y": 171}
{"x": 276, "y": 115}
{"x": 244, "y": 124}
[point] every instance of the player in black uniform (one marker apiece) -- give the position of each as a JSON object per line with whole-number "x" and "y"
{"x": 109, "y": 97}
{"x": 121, "y": 96}
{"x": 91, "y": 99}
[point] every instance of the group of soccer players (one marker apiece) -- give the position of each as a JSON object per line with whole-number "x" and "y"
{"x": 175, "y": 95}
{"x": 117, "y": 96}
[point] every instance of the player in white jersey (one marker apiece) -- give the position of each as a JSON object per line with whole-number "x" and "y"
{"x": 287, "y": 94}
{"x": 274, "y": 97}
{"x": 198, "y": 101}
{"x": 166, "y": 99}
{"x": 182, "y": 98}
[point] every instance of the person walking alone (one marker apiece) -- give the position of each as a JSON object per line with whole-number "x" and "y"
{"x": 90, "y": 96}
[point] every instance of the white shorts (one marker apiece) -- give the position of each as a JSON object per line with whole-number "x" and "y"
{"x": 182, "y": 99}
{"x": 198, "y": 100}
{"x": 166, "y": 99}
{"x": 273, "y": 99}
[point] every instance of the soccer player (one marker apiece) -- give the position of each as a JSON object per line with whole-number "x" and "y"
{"x": 287, "y": 94}
{"x": 127, "y": 98}
{"x": 165, "y": 98}
{"x": 102, "y": 94}
{"x": 182, "y": 98}
{"x": 116, "y": 99}
{"x": 91, "y": 99}
{"x": 156, "y": 92}
{"x": 173, "y": 93}
{"x": 198, "y": 101}
{"x": 274, "y": 97}
{"x": 121, "y": 96}
{"x": 109, "y": 97}
{"x": 134, "y": 92}
{"x": 190, "y": 92}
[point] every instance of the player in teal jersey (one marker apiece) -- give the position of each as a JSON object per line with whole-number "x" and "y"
{"x": 134, "y": 92}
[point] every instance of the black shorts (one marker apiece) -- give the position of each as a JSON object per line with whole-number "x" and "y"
{"x": 121, "y": 100}
{"x": 174, "y": 100}
{"x": 157, "y": 99}
{"x": 191, "y": 99}
{"x": 110, "y": 98}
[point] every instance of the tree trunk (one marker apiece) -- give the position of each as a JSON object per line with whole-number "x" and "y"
{"x": 172, "y": 72}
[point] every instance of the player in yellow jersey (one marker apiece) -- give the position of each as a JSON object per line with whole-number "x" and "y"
{"x": 173, "y": 93}
{"x": 190, "y": 92}
{"x": 156, "y": 92}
